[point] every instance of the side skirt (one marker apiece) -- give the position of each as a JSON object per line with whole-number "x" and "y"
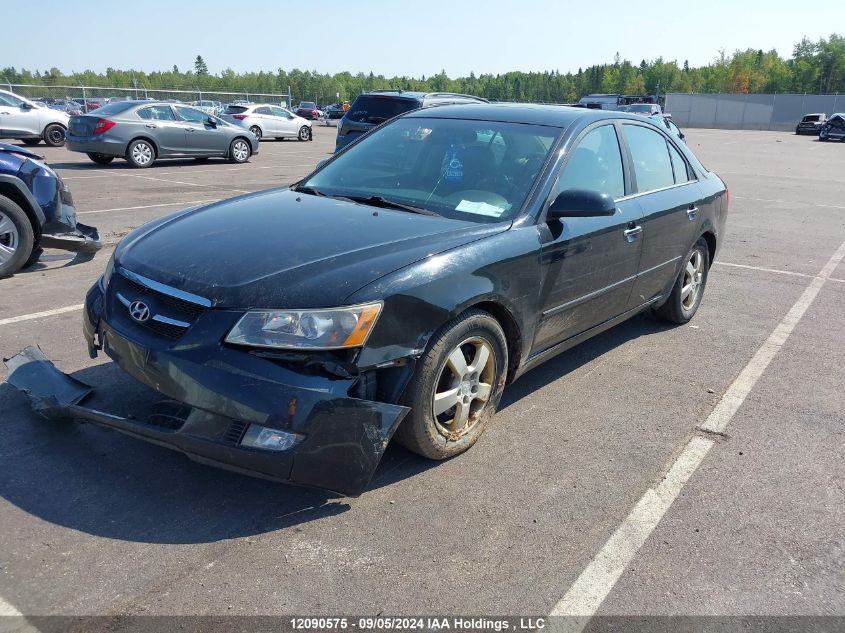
{"x": 540, "y": 357}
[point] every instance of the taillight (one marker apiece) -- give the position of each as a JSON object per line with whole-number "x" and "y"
{"x": 727, "y": 197}
{"x": 103, "y": 125}
{"x": 239, "y": 117}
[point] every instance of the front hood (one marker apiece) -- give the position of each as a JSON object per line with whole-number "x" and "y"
{"x": 278, "y": 248}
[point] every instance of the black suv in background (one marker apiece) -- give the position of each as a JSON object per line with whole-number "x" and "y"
{"x": 833, "y": 128}
{"x": 811, "y": 123}
{"x": 372, "y": 108}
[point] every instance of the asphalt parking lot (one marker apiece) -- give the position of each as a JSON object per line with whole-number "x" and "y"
{"x": 553, "y": 511}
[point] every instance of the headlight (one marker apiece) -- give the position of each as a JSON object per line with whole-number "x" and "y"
{"x": 107, "y": 273}
{"x": 332, "y": 328}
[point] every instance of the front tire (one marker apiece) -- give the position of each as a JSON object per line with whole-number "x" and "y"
{"x": 689, "y": 287}
{"x": 304, "y": 133}
{"x": 140, "y": 153}
{"x": 100, "y": 159}
{"x": 239, "y": 151}
{"x": 456, "y": 387}
{"x": 17, "y": 239}
{"x": 257, "y": 131}
{"x": 54, "y": 135}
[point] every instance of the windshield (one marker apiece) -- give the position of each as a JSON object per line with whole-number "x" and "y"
{"x": 812, "y": 117}
{"x": 639, "y": 107}
{"x": 479, "y": 171}
{"x": 307, "y": 105}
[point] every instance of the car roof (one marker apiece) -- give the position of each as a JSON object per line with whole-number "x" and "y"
{"x": 413, "y": 94}
{"x": 530, "y": 113}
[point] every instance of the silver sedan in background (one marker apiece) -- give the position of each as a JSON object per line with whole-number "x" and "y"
{"x": 144, "y": 131}
{"x": 266, "y": 120}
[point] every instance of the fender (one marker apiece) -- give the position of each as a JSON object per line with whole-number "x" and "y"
{"x": 32, "y": 207}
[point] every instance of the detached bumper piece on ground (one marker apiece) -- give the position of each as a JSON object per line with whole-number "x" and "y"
{"x": 280, "y": 432}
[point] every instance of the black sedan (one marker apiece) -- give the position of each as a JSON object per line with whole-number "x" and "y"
{"x": 399, "y": 288}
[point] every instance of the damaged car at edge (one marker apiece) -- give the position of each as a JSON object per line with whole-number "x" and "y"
{"x": 36, "y": 211}
{"x": 397, "y": 289}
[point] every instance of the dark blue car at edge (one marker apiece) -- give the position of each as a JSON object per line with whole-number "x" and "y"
{"x": 36, "y": 211}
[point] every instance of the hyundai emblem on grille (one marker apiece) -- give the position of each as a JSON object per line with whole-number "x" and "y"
{"x": 139, "y": 311}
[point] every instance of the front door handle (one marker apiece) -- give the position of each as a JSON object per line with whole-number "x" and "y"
{"x": 632, "y": 233}
{"x": 692, "y": 212}
{"x": 189, "y": 129}
{"x": 152, "y": 126}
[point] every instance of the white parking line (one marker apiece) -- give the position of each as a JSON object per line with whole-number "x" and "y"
{"x": 39, "y": 315}
{"x": 8, "y": 610}
{"x": 776, "y": 271}
{"x": 150, "y": 206}
{"x": 795, "y": 202}
{"x": 587, "y": 593}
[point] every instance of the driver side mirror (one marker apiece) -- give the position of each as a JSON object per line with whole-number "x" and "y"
{"x": 27, "y": 106}
{"x": 211, "y": 122}
{"x": 581, "y": 203}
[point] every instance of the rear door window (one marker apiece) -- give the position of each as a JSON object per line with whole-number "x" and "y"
{"x": 679, "y": 165}
{"x": 378, "y": 109}
{"x": 263, "y": 110}
{"x": 652, "y": 164}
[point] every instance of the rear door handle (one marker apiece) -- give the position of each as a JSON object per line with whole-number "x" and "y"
{"x": 692, "y": 212}
{"x": 189, "y": 129}
{"x": 152, "y": 126}
{"x": 632, "y": 233}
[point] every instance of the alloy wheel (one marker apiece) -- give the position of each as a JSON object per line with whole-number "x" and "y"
{"x": 693, "y": 276}
{"x": 257, "y": 131}
{"x": 9, "y": 238}
{"x": 463, "y": 389}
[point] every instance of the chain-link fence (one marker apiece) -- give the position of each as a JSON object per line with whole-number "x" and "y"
{"x": 94, "y": 95}
{"x": 748, "y": 111}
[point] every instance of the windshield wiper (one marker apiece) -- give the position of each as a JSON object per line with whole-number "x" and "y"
{"x": 385, "y": 203}
{"x": 311, "y": 191}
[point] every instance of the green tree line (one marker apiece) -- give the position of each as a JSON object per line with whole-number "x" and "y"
{"x": 814, "y": 67}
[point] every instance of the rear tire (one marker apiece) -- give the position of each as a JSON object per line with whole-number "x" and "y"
{"x": 140, "y": 153}
{"x": 239, "y": 151}
{"x": 17, "y": 239}
{"x": 455, "y": 389}
{"x": 100, "y": 159}
{"x": 304, "y": 133}
{"x": 257, "y": 131}
{"x": 31, "y": 141}
{"x": 54, "y": 135}
{"x": 688, "y": 290}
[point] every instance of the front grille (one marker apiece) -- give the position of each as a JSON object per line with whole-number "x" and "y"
{"x": 170, "y": 316}
{"x": 235, "y": 433}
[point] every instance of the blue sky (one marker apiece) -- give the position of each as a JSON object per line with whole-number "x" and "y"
{"x": 401, "y": 38}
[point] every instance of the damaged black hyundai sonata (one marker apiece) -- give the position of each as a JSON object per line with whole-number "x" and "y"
{"x": 397, "y": 289}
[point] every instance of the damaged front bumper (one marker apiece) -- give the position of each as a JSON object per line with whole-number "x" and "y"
{"x": 224, "y": 398}
{"x": 79, "y": 239}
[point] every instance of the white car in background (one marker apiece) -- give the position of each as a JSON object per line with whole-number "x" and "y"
{"x": 266, "y": 120}
{"x": 209, "y": 107}
{"x": 30, "y": 122}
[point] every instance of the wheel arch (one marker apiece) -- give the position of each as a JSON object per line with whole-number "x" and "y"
{"x": 510, "y": 326}
{"x": 710, "y": 238}
{"x": 14, "y": 190}
{"x": 148, "y": 139}
{"x": 243, "y": 138}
